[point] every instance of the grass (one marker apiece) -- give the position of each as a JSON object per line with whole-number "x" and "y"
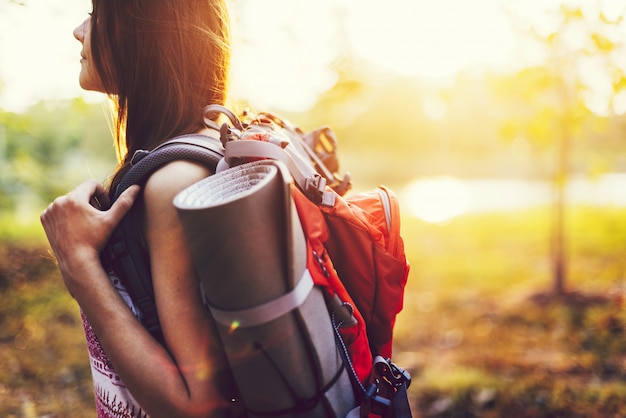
{"x": 475, "y": 339}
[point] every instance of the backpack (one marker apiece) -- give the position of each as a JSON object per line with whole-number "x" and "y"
{"x": 323, "y": 273}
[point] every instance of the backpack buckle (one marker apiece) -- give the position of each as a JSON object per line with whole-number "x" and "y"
{"x": 315, "y": 190}
{"x": 394, "y": 375}
{"x": 139, "y": 155}
{"x": 314, "y": 187}
{"x": 385, "y": 381}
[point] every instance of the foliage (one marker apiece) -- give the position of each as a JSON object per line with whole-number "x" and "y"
{"x": 44, "y": 150}
{"x": 558, "y": 98}
{"x": 17, "y": 232}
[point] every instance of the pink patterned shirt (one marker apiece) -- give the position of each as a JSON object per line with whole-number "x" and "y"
{"x": 113, "y": 400}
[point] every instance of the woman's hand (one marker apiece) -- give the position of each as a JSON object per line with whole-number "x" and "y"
{"x": 78, "y": 230}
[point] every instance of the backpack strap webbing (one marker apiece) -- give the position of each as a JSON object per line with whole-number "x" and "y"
{"x": 124, "y": 253}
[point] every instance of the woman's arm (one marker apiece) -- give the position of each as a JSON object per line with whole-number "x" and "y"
{"x": 189, "y": 333}
{"x": 184, "y": 379}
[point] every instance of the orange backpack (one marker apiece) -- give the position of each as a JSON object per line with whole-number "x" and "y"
{"x": 355, "y": 252}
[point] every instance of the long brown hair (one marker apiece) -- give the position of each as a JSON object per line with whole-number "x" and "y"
{"x": 161, "y": 61}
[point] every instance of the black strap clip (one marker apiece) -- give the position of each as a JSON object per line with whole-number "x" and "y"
{"x": 139, "y": 155}
{"x": 387, "y": 380}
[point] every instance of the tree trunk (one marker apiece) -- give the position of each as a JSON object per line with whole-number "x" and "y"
{"x": 559, "y": 246}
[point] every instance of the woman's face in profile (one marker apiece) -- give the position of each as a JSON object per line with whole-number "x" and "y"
{"x": 89, "y": 79}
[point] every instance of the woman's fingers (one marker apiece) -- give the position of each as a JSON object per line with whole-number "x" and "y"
{"x": 74, "y": 221}
{"x": 123, "y": 204}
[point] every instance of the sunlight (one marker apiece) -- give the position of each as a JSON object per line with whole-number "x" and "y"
{"x": 38, "y": 54}
{"x": 282, "y": 51}
{"x": 434, "y": 107}
{"x": 286, "y": 51}
{"x": 431, "y": 39}
{"x": 541, "y": 16}
{"x": 437, "y": 200}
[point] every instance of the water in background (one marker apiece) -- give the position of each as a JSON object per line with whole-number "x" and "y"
{"x": 438, "y": 199}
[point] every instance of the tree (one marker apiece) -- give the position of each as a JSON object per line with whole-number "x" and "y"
{"x": 580, "y": 80}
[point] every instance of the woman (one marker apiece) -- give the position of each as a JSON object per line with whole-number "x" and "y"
{"x": 161, "y": 62}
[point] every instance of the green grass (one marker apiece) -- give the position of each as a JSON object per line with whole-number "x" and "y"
{"x": 475, "y": 340}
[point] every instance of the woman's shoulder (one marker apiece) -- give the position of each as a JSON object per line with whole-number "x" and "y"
{"x": 169, "y": 180}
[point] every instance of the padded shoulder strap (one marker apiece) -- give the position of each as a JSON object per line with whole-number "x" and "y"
{"x": 195, "y": 147}
{"x": 124, "y": 253}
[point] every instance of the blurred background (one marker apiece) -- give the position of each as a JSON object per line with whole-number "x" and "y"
{"x": 499, "y": 123}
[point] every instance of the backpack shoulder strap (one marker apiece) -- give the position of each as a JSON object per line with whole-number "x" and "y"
{"x": 124, "y": 254}
{"x": 195, "y": 147}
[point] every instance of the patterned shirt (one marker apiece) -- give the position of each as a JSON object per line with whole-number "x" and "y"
{"x": 113, "y": 400}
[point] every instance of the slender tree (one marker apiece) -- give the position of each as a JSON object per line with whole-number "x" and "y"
{"x": 581, "y": 78}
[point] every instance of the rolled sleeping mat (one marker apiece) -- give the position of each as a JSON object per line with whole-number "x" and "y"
{"x": 250, "y": 255}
